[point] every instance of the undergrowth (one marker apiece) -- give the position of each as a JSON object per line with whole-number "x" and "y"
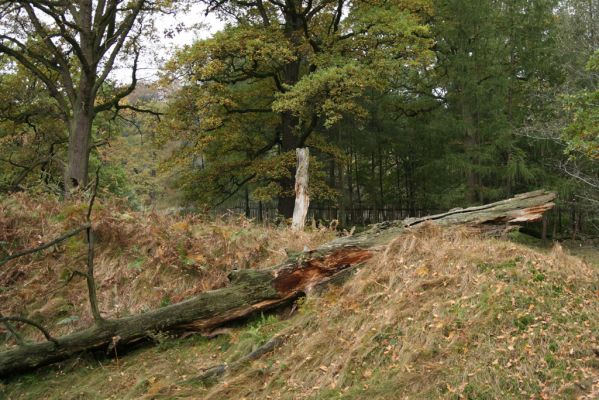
{"x": 442, "y": 314}
{"x": 437, "y": 314}
{"x": 143, "y": 260}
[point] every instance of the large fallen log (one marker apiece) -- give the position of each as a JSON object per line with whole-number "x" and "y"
{"x": 257, "y": 290}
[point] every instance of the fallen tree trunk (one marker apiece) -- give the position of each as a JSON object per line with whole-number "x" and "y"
{"x": 257, "y": 290}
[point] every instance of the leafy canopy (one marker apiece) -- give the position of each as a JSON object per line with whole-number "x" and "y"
{"x": 279, "y": 76}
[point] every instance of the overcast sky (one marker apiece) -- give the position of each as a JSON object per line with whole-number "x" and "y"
{"x": 162, "y": 50}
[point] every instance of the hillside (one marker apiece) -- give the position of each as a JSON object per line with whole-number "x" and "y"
{"x": 307, "y": 199}
{"x": 440, "y": 313}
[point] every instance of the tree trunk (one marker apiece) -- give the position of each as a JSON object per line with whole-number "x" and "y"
{"x": 257, "y": 290}
{"x": 574, "y": 222}
{"x": 247, "y": 203}
{"x": 471, "y": 142}
{"x": 290, "y": 75}
{"x": 302, "y": 200}
{"x": 398, "y": 186}
{"x": 360, "y": 219}
{"x": 80, "y": 128}
{"x": 286, "y": 199}
{"x": 350, "y": 186}
{"x": 381, "y": 173}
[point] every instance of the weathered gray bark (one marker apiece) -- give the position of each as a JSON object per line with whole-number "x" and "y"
{"x": 302, "y": 200}
{"x": 255, "y": 290}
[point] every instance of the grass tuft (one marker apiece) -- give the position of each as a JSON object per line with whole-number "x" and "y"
{"x": 437, "y": 314}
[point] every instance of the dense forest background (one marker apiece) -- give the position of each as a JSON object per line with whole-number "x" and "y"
{"x": 408, "y": 107}
{"x": 146, "y": 190}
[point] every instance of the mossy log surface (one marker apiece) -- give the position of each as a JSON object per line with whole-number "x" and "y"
{"x": 257, "y": 290}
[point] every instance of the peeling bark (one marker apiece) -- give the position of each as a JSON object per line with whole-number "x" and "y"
{"x": 302, "y": 200}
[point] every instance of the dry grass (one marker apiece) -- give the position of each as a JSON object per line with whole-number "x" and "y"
{"x": 442, "y": 314}
{"x": 142, "y": 260}
{"x": 438, "y": 314}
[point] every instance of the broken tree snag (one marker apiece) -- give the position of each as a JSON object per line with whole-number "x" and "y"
{"x": 302, "y": 200}
{"x": 250, "y": 291}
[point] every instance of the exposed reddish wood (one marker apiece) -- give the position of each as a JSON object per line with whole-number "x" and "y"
{"x": 293, "y": 278}
{"x": 532, "y": 214}
{"x": 252, "y": 290}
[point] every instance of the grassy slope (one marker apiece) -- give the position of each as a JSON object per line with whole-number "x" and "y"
{"x": 439, "y": 314}
{"x": 142, "y": 260}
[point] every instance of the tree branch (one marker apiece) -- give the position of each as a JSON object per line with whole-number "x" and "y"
{"x": 13, "y": 332}
{"x": 118, "y": 40}
{"x": 32, "y": 323}
{"x": 157, "y": 114}
{"x": 45, "y": 245}
{"x": 247, "y": 110}
{"x": 125, "y": 92}
{"x": 239, "y": 186}
{"x": 52, "y": 88}
{"x": 578, "y": 175}
{"x": 91, "y": 282}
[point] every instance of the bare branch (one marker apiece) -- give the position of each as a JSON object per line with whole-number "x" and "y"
{"x": 263, "y": 14}
{"x": 45, "y": 245}
{"x": 580, "y": 176}
{"x": 32, "y": 323}
{"x": 13, "y": 332}
{"x": 91, "y": 282}
{"x": 247, "y": 110}
{"x": 157, "y": 114}
{"x": 117, "y": 40}
{"x": 123, "y": 93}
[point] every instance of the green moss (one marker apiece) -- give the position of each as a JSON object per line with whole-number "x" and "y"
{"x": 75, "y": 246}
{"x": 484, "y": 267}
{"x": 137, "y": 264}
{"x": 254, "y": 335}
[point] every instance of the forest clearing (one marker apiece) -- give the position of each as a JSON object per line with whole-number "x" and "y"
{"x": 440, "y": 312}
{"x": 299, "y": 199}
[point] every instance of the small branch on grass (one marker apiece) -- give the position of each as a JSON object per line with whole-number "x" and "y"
{"x": 45, "y": 245}
{"x": 13, "y": 332}
{"x": 32, "y": 323}
{"x": 93, "y": 198}
{"x": 217, "y": 371}
{"x": 68, "y": 280}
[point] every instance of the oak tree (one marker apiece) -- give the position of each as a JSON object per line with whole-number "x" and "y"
{"x": 282, "y": 70}
{"x": 72, "y": 47}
